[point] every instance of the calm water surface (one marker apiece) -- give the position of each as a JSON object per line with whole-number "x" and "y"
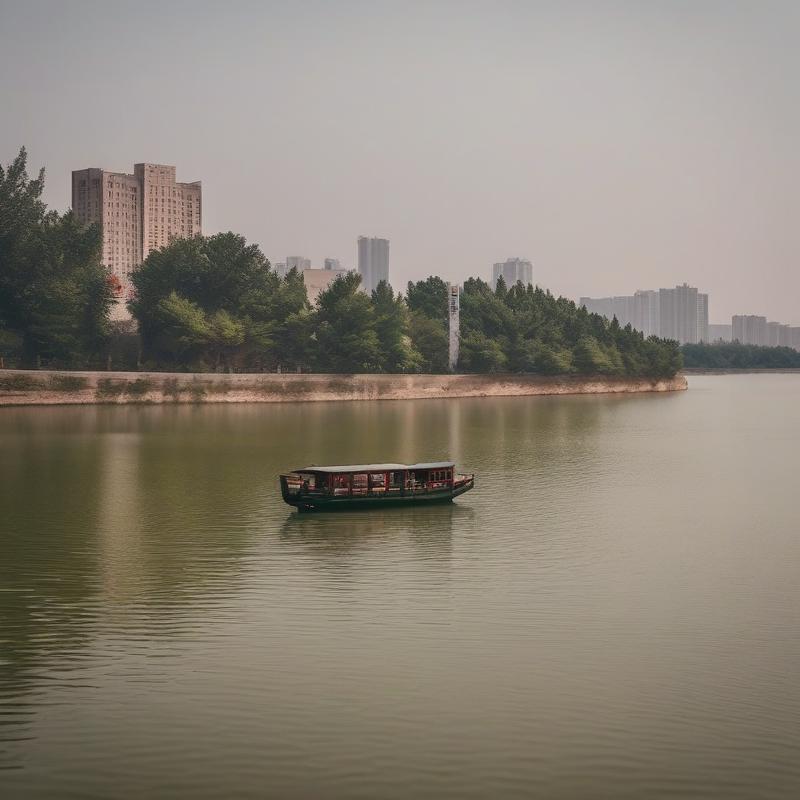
{"x": 614, "y": 611}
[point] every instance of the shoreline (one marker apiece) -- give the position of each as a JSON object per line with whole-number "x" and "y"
{"x": 740, "y": 370}
{"x": 56, "y": 387}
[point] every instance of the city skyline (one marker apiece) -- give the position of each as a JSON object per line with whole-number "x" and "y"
{"x": 95, "y": 192}
{"x": 639, "y": 142}
{"x": 679, "y": 312}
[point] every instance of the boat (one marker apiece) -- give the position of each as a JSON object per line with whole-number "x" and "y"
{"x": 372, "y": 485}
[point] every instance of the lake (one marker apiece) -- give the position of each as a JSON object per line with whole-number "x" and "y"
{"x": 614, "y": 611}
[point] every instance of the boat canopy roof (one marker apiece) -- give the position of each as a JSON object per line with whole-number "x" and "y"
{"x": 377, "y": 467}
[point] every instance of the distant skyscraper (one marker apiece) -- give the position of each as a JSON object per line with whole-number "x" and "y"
{"x": 513, "y": 270}
{"x": 373, "y": 261}
{"x": 332, "y": 263}
{"x": 749, "y": 329}
{"x": 702, "y": 317}
{"x": 280, "y": 269}
{"x": 454, "y": 318}
{"x": 297, "y": 262}
{"x": 640, "y": 311}
{"x": 622, "y": 307}
{"x": 778, "y": 335}
{"x": 719, "y": 333}
{"x": 678, "y": 310}
{"x": 137, "y": 214}
{"x": 680, "y": 313}
{"x": 646, "y": 312}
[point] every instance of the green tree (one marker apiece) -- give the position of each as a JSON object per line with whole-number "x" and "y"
{"x": 430, "y": 339}
{"x": 592, "y": 358}
{"x": 293, "y": 323}
{"x": 428, "y": 297}
{"x": 479, "y": 353}
{"x": 345, "y": 328}
{"x": 183, "y": 328}
{"x": 54, "y": 293}
{"x": 396, "y": 350}
{"x": 214, "y": 303}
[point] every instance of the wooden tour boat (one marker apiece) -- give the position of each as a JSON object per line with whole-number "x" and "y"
{"x": 370, "y": 485}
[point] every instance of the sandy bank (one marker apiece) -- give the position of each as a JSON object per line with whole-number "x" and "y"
{"x": 22, "y": 387}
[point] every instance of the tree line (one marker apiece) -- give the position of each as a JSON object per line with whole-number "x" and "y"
{"x": 214, "y": 303}
{"x": 734, "y": 355}
{"x": 54, "y": 293}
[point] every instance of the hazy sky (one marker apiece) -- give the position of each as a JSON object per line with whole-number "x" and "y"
{"x": 617, "y": 145}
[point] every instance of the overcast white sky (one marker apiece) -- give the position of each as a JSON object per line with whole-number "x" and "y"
{"x": 617, "y": 145}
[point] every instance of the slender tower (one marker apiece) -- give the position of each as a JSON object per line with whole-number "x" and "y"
{"x": 454, "y": 317}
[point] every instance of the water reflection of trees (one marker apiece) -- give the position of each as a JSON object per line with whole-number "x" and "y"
{"x": 48, "y": 575}
{"x": 110, "y": 524}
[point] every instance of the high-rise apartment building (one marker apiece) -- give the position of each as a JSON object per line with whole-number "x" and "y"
{"x": 779, "y": 335}
{"x": 647, "y": 312}
{"x": 513, "y": 270}
{"x": 297, "y": 262}
{"x": 680, "y": 313}
{"x": 621, "y": 307}
{"x": 373, "y": 262}
{"x": 332, "y": 263}
{"x": 641, "y": 311}
{"x": 719, "y": 333}
{"x": 170, "y": 210}
{"x": 678, "y": 309}
{"x": 702, "y": 318}
{"x": 749, "y": 329}
{"x": 137, "y": 213}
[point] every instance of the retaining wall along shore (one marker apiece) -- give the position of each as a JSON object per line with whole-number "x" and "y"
{"x": 40, "y": 387}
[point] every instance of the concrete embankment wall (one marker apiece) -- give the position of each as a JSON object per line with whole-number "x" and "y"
{"x": 22, "y": 387}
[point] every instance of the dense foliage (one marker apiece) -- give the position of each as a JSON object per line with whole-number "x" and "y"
{"x": 214, "y": 303}
{"x": 54, "y": 293}
{"x": 733, "y": 355}
{"x": 526, "y": 329}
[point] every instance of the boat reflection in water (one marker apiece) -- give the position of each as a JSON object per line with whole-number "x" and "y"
{"x": 357, "y": 486}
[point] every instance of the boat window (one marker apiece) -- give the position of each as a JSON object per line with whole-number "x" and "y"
{"x": 341, "y": 484}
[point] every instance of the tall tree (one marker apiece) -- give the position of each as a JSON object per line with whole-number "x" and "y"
{"x": 396, "y": 351}
{"x": 427, "y": 303}
{"x": 54, "y": 293}
{"x": 345, "y": 328}
{"x": 428, "y": 297}
{"x": 215, "y": 301}
{"x": 430, "y": 339}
